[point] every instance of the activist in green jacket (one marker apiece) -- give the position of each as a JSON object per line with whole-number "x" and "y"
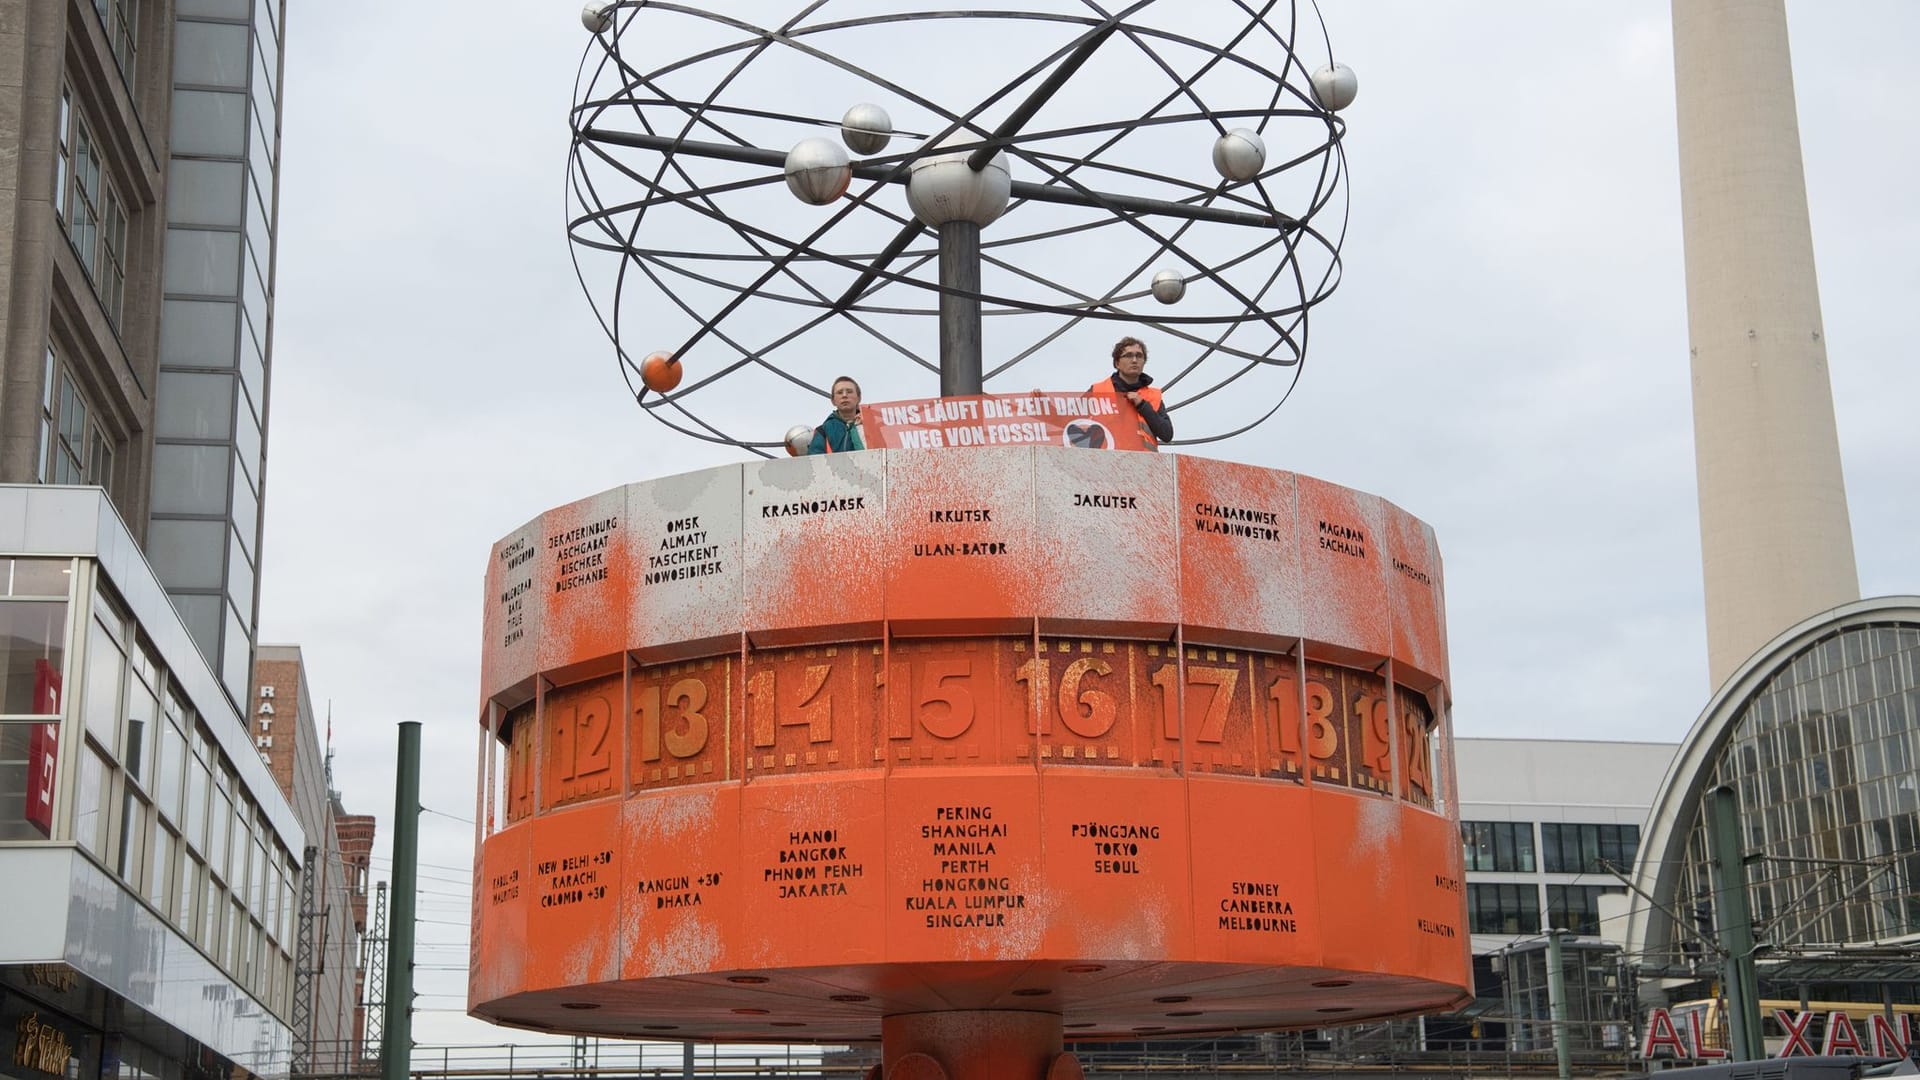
{"x": 840, "y": 431}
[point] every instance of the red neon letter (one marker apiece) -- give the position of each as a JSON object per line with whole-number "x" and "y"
{"x": 1796, "y": 1033}
{"x": 1841, "y": 1038}
{"x": 1888, "y": 1043}
{"x": 1700, "y": 1047}
{"x": 1660, "y": 1033}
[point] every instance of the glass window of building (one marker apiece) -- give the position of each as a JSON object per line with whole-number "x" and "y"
{"x": 170, "y": 771}
{"x": 219, "y": 9}
{"x": 202, "y": 262}
{"x": 1500, "y": 846}
{"x": 63, "y": 155}
{"x": 206, "y": 192}
{"x": 33, "y": 636}
{"x": 1599, "y": 1016}
{"x": 211, "y": 54}
{"x": 186, "y": 892}
{"x": 242, "y": 848}
{"x": 212, "y": 903}
{"x": 69, "y": 452}
{"x": 92, "y": 211}
{"x": 27, "y": 755}
{"x": 259, "y": 230}
{"x": 112, "y": 278}
{"x": 106, "y": 672}
{"x": 1569, "y": 848}
{"x": 288, "y": 875}
{"x": 209, "y": 122}
{"x": 257, "y": 877}
{"x": 188, "y": 552}
{"x": 1576, "y": 907}
{"x": 74, "y": 447}
{"x": 229, "y": 953}
{"x": 1503, "y": 909}
{"x": 191, "y": 479}
{"x": 1824, "y": 757}
{"x": 91, "y": 808}
{"x": 120, "y": 19}
{"x": 270, "y": 915}
{"x": 194, "y": 815}
{"x": 239, "y": 844}
{"x": 143, "y": 719}
{"x": 79, "y": 173}
{"x": 219, "y": 820}
{"x": 198, "y": 333}
{"x": 165, "y": 852}
{"x": 130, "y": 860}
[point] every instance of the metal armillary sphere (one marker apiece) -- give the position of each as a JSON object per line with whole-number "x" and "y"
{"x": 978, "y": 200}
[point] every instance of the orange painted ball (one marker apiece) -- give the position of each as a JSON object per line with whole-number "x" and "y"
{"x": 661, "y": 372}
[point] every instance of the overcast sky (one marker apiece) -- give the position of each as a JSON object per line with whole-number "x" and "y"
{"x": 1506, "y": 358}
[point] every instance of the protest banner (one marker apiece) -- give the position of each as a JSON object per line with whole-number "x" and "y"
{"x": 1088, "y": 421}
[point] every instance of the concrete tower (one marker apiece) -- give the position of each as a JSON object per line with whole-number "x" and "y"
{"x": 1774, "y": 535}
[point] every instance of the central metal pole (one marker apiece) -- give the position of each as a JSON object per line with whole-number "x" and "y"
{"x": 975, "y": 1045}
{"x": 960, "y": 314}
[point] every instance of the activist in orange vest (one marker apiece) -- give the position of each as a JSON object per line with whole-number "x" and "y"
{"x": 1131, "y": 381}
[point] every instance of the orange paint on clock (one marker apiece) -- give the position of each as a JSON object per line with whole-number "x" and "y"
{"x": 898, "y": 732}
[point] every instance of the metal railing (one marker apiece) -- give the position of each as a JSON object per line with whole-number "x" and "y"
{"x": 1278, "y": 1056}
{"x": 620, "y": 1060}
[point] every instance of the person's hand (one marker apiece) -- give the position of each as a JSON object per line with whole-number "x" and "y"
{"x": 1134, "y": 396}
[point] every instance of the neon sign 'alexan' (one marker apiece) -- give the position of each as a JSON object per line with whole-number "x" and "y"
{"x": 1839, "y": 1034}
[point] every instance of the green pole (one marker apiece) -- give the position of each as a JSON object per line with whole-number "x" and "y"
{"x": 396, "y": 1047}
{"x": 1557, "y": 1002}
{"x": 1730, "y": 910}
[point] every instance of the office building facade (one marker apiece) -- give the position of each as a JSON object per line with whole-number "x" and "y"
{"x": 137, "y": 220}
{"x": 1548, "y": 828}
{"x": 152, "y": 863}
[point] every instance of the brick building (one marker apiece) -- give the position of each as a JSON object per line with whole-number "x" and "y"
{"x": 287, "y": 734}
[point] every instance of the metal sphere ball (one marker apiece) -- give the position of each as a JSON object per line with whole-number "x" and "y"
{"x": 1336, "y": 86}
{"x": 798, "y": 436}
{"x": 1169, "y": 286}
{"x": 818, "y": 171}
{"x": 660, "y": 372}
{"x": 597, "y": 16}
{"x": 941, "y": 188}
{"x": 866, "y": 129}
{"x": 1239, "y": 155}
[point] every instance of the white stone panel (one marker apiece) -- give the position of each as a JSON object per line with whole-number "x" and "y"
{"x": 813, "y": 539}
{"x": 686, "y": 562}
{"x": 1104, "y": 540}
